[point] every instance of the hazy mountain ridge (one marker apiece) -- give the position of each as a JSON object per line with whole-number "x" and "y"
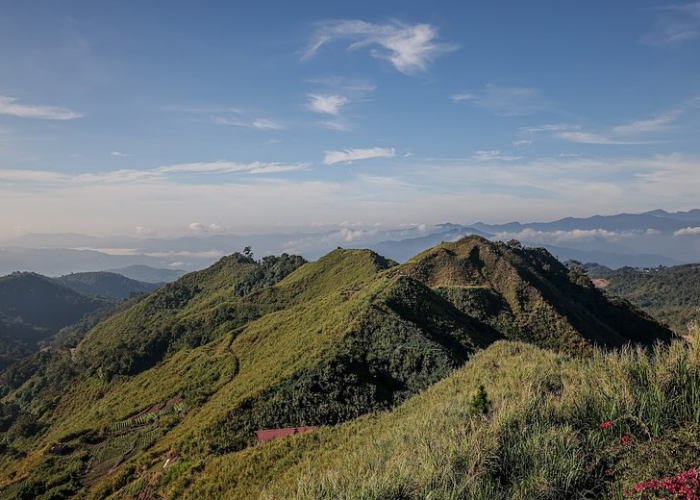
{"x": 646, "y": 239}
{"x": 148, "y": 274}
{"x": 104, "y": 284}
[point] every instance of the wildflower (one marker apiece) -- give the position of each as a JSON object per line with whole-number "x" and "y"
{"x": 626, "y": 440}
{"x": 605, "y": 425}
{"x": 685, "y": 486}
{"x": 609, "y": 472}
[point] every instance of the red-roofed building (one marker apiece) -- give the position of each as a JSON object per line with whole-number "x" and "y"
{"x": 270, "y": 434}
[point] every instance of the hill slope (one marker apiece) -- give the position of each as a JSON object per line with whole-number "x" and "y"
{"x": 34, "y": 308}
{"x": 670, "y": 294}
{"x": 200, "y": 364}
{"x": 105, "y": 285}
{"x": 536, "y": 434}
{"x": 529, "y": 295}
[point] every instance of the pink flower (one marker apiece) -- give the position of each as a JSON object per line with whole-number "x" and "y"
{"x": 605, "y": 425}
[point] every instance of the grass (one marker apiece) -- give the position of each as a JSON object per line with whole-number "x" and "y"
{"x": 541, "y": 439}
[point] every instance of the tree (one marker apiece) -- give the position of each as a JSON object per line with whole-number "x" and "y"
{"x": 248, "y": 252}
{"x": 480, "y": 403}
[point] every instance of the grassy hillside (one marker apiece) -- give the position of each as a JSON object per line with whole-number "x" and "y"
{"x": 190, "y": 372}
{"x": 529, "y": 295}
{"x": 105, "y": 285}
{"x": 538, "y": 435}
{"x": 670, "y": 294}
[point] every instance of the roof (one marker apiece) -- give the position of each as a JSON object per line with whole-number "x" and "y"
{"x": 270, "y": 434}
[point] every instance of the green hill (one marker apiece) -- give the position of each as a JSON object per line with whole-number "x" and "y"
{"x": 33, "y": 309}
{"x": 670, "y": 294}
{"x": 191, "y": 371}
{"x": 105, "y": 285}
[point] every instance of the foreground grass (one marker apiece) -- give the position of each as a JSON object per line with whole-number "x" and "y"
{"x": 540, "y": 438}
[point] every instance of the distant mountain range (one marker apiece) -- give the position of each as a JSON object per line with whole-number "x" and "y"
{"x": 147, "y": 274}
{"x": 651, "y": 238}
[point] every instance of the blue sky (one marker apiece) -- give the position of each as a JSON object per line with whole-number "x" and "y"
{"x": 172, "y": 117}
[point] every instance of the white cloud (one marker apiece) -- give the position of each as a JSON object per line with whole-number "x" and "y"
{"x": 199, "y": 228}
{"x": 329, "y": 104}
{"x": 493, "y": 154}
{"x": 10, "y": 106}
{"x": 463, "y": 97}
{"x": 410, "y": 48}
{"x": 676, "y": 24}
{"x": 258, "y": 123}
{"x": 505, "y": 101}
{"x": 522, "y": 144}
{"x": 264, "y": 124}
{"x": 549, "y": 127}
{"x": 225, "y": 167}
{"x": 594, "y": 138}
{"x": 117, "y": 153}
{"x": 32, "y": 176}
{"x": 573, "y": 133}
{"x": 656, "y": 124}
{"x": 127, "y": 175}
{"x": 556, "y": 237}
{"x": 688, "y": 231}
{"x": 349, "y": 155}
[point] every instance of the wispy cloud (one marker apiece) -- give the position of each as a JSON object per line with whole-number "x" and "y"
{"x": 334, "y": 98}
{"x": 582, "y": 137}
{"x": 656, "y": 124}
{"x": 329, "y": 104}
{"x": 629, "y": 133}
{"x": 410, "y": 48}
{"x": 522, "y": 143}
{"x": 11, "y": 106}
{"x": 676, "y": 24}
{"x": 350, "y": 155}
{"x": 128, "y": 175}
{"x": 258, "y": 123}
{"x": 548, "y": 127}
{"x": 493, "y": 155}
{"x": 265, "y": 124}
{"x": 505, "y": 101}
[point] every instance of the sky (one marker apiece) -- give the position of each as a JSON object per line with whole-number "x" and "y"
{"x": 182, "y": 117}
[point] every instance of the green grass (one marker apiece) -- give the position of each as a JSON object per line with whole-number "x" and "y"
{"x": 540, "y": 440}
